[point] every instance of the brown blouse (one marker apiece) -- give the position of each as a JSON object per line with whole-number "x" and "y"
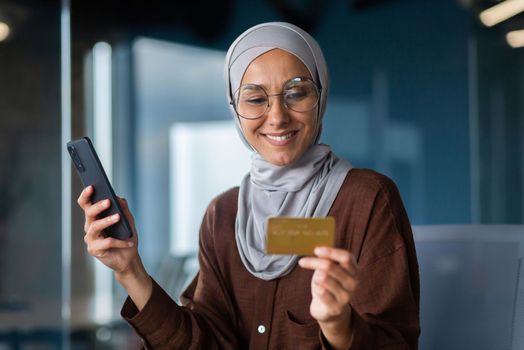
{"x": 225, "y": 307}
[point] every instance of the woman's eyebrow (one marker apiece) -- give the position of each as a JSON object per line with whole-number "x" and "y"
{"x": 254, "y": 84}
{"x": 251, "y": 86}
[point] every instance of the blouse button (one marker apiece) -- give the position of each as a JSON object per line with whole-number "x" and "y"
{"x": 261, "y": 329}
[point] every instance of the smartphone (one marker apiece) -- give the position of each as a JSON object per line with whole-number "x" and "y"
{"x": 92, "y": 173}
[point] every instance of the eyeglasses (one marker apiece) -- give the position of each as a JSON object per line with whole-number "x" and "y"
{"x": 300, "y": 94}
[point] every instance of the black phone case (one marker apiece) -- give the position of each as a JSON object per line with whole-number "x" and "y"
{"x": 91, "y": 172}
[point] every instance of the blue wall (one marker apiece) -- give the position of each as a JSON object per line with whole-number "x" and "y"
{"x": 399, "y": 100}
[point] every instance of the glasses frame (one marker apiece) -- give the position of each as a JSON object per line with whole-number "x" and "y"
{"x": 268, "y": 106}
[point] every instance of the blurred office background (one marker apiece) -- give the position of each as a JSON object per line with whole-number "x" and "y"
{"x": 421, "y": 91}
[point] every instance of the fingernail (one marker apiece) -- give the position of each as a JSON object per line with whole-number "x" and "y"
{"x": 321, "y": 250}
{"x": 115, "y": 217}
{"x": 130, "y": 244}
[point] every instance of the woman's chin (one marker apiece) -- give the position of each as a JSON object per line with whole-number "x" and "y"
{"x": 281, "y": 159}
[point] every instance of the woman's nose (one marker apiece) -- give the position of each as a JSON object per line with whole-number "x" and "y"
{"x": 277, "y": 113}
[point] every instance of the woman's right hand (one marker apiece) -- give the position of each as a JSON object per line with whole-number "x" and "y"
{"x": 119, "y": 255}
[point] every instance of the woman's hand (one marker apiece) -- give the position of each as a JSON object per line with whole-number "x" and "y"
{"x": 119, "y": 255}
{"x": 333, "y": 283}
{"x": 114, "y": 253}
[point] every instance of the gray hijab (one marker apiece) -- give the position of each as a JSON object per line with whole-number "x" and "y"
{"x": 305, "y": 188}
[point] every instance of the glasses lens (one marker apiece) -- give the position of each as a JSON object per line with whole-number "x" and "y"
{"x": 300, "y": 95}
{"x": 251, "y": 101}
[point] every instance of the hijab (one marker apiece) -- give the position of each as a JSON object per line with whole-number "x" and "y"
{"x": 305, "y": 188}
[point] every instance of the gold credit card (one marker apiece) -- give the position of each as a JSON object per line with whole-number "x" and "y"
{"x": 299, "y": 236}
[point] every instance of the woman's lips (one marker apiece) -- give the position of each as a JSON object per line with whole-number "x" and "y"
{"x": 281, "y": 139}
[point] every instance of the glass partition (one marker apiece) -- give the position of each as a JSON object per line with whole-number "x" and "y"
{"x": 33, "y": 308}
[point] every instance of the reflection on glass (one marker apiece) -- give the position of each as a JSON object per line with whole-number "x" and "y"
{"x": 206, "y": 159}
{"x": 174, "y": 84}
{"x": 102, "y": 138}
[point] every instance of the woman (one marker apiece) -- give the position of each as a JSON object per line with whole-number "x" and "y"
{"x": 361, "y": 294}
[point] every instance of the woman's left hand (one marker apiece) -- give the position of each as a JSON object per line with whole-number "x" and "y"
{"x": 332, "y": 286}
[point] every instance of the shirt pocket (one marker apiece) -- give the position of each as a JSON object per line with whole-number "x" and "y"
{"x": 308, "y": 329}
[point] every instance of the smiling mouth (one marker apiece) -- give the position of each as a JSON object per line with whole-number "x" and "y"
{"x": 281, "y": 139}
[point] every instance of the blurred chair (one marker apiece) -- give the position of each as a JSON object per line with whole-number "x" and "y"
{"x": 175, "y": 272}
{"x": 472, "y": 293}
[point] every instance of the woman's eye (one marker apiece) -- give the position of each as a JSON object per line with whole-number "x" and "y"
{"x": 295, "y": 94}
{"x": 255, "y": 100}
